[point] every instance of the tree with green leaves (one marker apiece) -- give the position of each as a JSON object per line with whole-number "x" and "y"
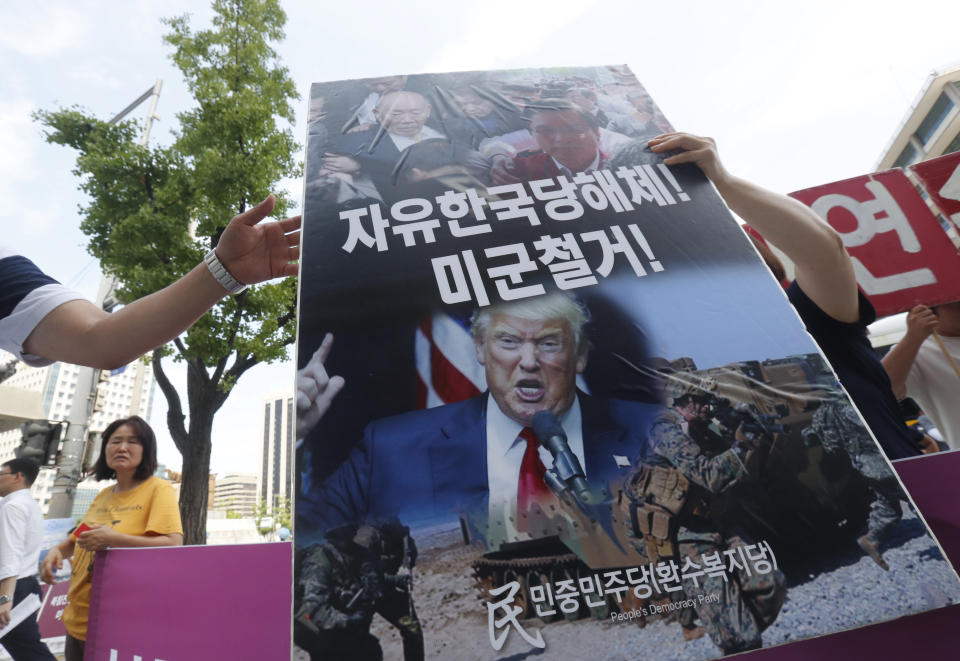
{"x": 269, "y": 519}
{"x": 154, "y": 211}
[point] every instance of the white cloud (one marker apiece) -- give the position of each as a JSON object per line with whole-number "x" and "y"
{"x": 17, "y": 145}
{"x": 506, "y": 30}
{"x": 42, "y": 29}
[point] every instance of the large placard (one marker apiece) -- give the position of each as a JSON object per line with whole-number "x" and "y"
{"x": 480, "y": 248}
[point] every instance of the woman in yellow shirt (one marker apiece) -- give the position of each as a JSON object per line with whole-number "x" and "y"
{"x": 139, "y": 510}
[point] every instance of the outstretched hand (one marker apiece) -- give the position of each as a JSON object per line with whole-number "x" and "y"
{"x": 315, "y": 389}
{"x": 699, "y": 150}
{"x": 253, "y": 251}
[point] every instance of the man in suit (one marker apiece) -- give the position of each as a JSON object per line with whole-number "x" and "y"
{"x": 375, "y": 152}
{"x": 569, "y": 142}
{"x": 480, "y": 455}
{"x": 477, "y": 118}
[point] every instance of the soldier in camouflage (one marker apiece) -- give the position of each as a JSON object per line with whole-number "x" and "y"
{"x": 341, "y": 584}
{"x": 700, "y": 466}
{"x": 838, "y": 428}
{"x": 396, "y": 604}
{"x": 348, "y": 579}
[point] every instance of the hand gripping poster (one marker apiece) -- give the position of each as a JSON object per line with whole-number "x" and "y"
{"x": 551, "y": 401}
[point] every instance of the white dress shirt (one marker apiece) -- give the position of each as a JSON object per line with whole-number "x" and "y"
{"x": 564, "y": 170}
{"x": 505, "y": 451}
{"x": 21, "y": 532}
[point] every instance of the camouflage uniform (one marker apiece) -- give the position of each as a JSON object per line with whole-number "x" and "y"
{"x": 396, "y": 605}
{"x": 748, "y": 604}
{"x": 345, "y": 582}
{"x": 340, "y": 588}
{"x": 838, "y": 428}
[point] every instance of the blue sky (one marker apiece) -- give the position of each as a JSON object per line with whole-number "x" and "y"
{"x": 794, "y": 98}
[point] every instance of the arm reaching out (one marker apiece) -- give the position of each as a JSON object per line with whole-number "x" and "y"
{"x": 921, "y": 321}
{"x": 81, "y": 333}
{"x": 823, "y": 268}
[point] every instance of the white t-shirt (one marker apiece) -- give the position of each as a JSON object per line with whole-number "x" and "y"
{"x": 27, "y": 295}
{"x": 936, "y": 387}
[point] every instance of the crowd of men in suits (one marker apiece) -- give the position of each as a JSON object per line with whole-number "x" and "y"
{"x": 380, "y": 136}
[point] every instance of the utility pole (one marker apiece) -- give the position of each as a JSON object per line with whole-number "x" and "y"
{"x": 70, "y": 462}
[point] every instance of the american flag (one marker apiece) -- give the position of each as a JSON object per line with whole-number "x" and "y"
{"x": 447, "y": 367}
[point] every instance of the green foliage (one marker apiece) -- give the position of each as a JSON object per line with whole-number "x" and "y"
{"x": 152, "y": 212}
{"x": 281, "y": 515}
{"x": 147, "y": 204}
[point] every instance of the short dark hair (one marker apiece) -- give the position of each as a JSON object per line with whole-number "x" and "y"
{"x": 148, "y": 440}
{"x": 26, "y": 467}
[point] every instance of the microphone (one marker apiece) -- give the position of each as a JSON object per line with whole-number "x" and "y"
{"x": 566, "y": 469}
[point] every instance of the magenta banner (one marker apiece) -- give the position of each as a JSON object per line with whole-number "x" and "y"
{"x": 51, "y": 612}
{"x": 191, "y": 602}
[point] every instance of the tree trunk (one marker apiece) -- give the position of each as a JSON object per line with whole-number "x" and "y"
{"x": 194, "y": 442}
{"x": 195, "y": 485}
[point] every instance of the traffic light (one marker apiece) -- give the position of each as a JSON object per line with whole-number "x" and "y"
{"x": 40, "y": 441}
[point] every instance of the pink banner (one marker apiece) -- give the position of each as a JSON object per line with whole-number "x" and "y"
{"x": 51, "y": 612}
{"x": 191, "y": 602}
{"x": 900, "y": 253}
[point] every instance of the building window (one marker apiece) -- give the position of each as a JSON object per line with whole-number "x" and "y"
{"x": 934, "y": 118}
{"x": 953, "y": 146}
{"x": 907, "y": 156}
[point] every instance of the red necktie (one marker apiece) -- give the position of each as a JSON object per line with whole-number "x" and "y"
{"x": 531, "y": 488}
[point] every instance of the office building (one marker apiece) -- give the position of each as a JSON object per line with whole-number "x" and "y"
{"x": 275, "y": 479}
{"x": 236, "y": 493}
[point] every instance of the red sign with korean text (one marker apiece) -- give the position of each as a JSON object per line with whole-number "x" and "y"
{"x": 940, "y": 177}
{"x": 901, "y": 255}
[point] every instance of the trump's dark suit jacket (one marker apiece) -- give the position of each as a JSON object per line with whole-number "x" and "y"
{"x": 432, "y": 464}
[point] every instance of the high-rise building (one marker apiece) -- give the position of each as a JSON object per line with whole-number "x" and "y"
{"x": 121, "y": 393}
{"x": 237, "y": 492}
{"x": 931, "y": 126}
{"x": 275, "y": 479}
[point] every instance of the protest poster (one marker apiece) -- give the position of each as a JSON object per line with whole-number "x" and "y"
{"x": 901, "y": 255}
{"x": 481, "y": 247}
